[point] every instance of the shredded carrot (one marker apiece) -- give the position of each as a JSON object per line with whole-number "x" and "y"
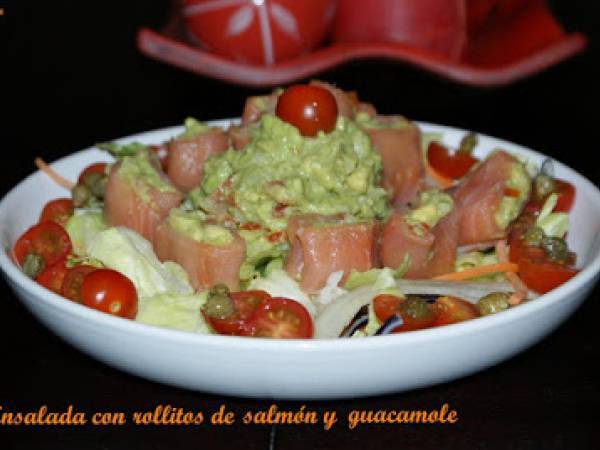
{"x": 516, "y": 298}
{"x": 479, "y": 271}
{"x": 51, "y": 173}
{"x": 502, "y": 252}
{"x": 442, "y": 181}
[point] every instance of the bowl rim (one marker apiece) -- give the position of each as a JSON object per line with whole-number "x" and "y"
{"x": 583, "y": 279}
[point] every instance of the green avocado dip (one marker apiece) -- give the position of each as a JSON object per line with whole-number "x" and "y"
{"x": 139, "y": 172}
{"x": 433, "y": 206}
{"x": 280, "y": 173}
{"x": 511, "y": 206}
{"x": 192, "y": 225}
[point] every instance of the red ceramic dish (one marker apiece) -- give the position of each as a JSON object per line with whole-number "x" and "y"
{"x": 502, "y": 50}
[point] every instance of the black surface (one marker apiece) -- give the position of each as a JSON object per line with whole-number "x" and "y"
{"x": 71, "y": 76}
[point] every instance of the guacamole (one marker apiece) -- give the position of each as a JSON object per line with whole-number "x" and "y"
{"x": 193, "y": 225}
{"x": 510, "y": 206}
{"x": 433, "y": 206}
{"x": 141, "y": 174}
{"x": 280, "y": 173}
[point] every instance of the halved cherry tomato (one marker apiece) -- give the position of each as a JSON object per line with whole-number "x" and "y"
{"x": 281, "y": 318}
{"x": 386, "y": 305}
{"x": 245, "y": 303}
{"x": 52, "y": 276}
{"x": 453, "y": 310}
{"x": 59, "y": 211}
{"x": 111, "y": 292}
{"x": 535, "y": 269}
{"x": 71, "y": 285}
{"x": 542, "y": 275}
{"x": 94, "y": 168}
{"x": 449, "y": 165}
{"x": 46, "y": 239}
{"x": 309, "y": 108}
{"x": 566, "y": 198}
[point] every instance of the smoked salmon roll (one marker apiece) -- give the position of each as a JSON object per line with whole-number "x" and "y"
{"x": 401, "y": 156}
{"x": 491, "y": 197}
{"x": 187, "y": 156}
{"x": 321, "y": 245}
{"x": 139, "y": 195}
{"x": 210, "y": 254}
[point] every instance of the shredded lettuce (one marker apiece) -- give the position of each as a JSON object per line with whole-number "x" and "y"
{"x": 179, "y": 312}
{"x": 82, "y": 227}
{"x": 121, "y": 151}
{"x": 331, "y": 290}
{"x": 279, "y": 284}
{"x": 125, "y": 251}
{"x": 553, "y": 224}
{"x": 358, "y": 279}
{"x": 477, "y": 259}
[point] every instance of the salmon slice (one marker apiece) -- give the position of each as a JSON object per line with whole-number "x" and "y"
{"x": 432, "y": 252}
{"x": 239, "y": 135}
{"x": 321, "y": 245}
{"x": 399, "y": 239}
{"x": 124, "y": 205}
{"x": 205, "y": 264}
{"x": 258, "y": 105}
{"x": 479, "y": 197}
{"x": 402, "y": 158}
{"x": 187, "y": 156}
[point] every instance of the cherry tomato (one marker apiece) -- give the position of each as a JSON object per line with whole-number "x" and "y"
{"x": 281, "y": 318}
{"x": 449, "y": 165}
{"x": 94, "y": 168}
{"x": 542, "y": 275}
{"x": 46, "y": 239}
{"x": 535, "y": 269}
{"x": 566, "y": 198}
{"x": 52, "y": 276}
{"x": 386, "y": 305}
{"x": 59, "y": 211}
{"x": 453, "y": 310}
{"x": 245, "y": 303}
{"x": 309, "y": 108}
{"x": 71, "y": 285}
{"x": 111, "y": 292}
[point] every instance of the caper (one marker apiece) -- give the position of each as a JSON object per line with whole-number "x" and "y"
{"x": 96, "y": 183}
{"x": 219, "y": 289}
{"x": 218, "y": 306}
{"x": 555, "y": 248}
{"x": 493, "y": 303}
{"x": 80, "y": 194}
{"x": 468, "y": 143}
{"x": 533, "y": 236}
{"x": 33, "y": 264}
{"x": 415, "y": 308}
{"x": 543, "y": 185}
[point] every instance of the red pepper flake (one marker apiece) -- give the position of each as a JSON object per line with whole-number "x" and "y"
{"x": 510, "y": 192}
{"x": 279, "y": 208}
{"x": 275, "y": 236}
{"x": 250, "y": 226}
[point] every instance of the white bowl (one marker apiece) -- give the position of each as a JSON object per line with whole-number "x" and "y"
{"x": 300, "y": 369}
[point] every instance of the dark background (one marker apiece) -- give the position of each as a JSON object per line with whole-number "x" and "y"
{"x": 71, "y": 76}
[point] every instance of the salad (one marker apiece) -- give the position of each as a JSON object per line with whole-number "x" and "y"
{"x": 314, "y": 217}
